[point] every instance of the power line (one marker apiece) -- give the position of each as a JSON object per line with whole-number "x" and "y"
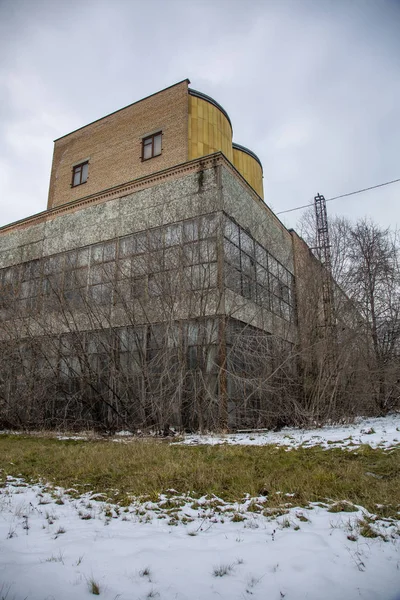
{"x": 373, "y": 187}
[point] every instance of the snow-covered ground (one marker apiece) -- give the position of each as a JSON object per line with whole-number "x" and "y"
{"x": 56, "y": 545}
{"x": 382, "y": 432}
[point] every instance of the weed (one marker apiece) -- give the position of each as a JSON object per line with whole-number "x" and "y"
{"x": 222, "y": 570}
{"x": 153, "y": 594}
{"x": 254, "y": 507}
{"x": 366, "y": 530}
{"x": 146, "y": 572}
{"x": 285, "y": 523}
{"x": 252, "y": 582}
{"x": 342, "y": 506}
{"x": 44, "y": 500}
{"x": 50, "y": 517}
{"x": 85, "y": 516}
{"x": 25, "y": 524}
{"x": 237, "y": 517}
{"x": 59, "y": 558}
{"x": 301, "y": 517}
{"x": 252, "y": 524}
{"x": 94, "y": 587}
{"x": 356, "y": 556}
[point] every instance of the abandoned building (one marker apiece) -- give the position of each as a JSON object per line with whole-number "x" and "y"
{"x": 158, "y": 288}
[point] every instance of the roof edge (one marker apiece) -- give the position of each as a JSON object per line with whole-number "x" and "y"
{"x": 202, "y": 96}
{"x": 247, "y": 151}
{"x": 119, "y": 109}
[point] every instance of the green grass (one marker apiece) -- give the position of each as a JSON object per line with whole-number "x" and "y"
{"x": 148, "y": 468}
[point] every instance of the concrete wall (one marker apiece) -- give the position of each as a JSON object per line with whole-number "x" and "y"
{"x": 161, "y": 204}
{"x": 209, "y": 191}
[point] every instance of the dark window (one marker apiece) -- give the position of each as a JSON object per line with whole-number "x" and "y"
{"x": 151, "y": 146}
{"x": 80, "y": 174}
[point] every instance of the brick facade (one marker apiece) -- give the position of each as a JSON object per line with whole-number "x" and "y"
{"x": 113, "y": 145}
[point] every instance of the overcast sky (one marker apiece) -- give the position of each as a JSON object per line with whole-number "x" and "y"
{"x": 313, "y": 87}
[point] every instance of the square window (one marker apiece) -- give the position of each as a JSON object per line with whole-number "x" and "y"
{"x": 151, "y": 146}
{"x": 80, "y": 174}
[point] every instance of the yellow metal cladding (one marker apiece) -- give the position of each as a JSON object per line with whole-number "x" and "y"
{"x": 209, "y": 130}
{"x": 250, "y": 169}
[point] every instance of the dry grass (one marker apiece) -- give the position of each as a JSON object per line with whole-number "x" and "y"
{"x": 147, "y": 468}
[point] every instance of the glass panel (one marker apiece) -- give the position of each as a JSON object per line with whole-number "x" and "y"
{"x": 109, "y": 251}
{"x": 155, "y": 261}
{"x": 77, "y": 176}
{"x": 139, "y": 265}
{"x": 97, "y": 274}
{"x": 191, "y": 253}
{"x": 192, "y": 332}
{"x": 154, "y": 239}
{"x": 147, "y": 151}
{"x": 246, "y": 243}
{"x": 261, "y": 255}
{"x": 209, "y": 226}
{"x": 140, "y": 243}
{"x": 285, "y": 311}
{"x": 262, "y": 276}
{"x": 126, "y": 246}
{"x": 157, "y": 145}
{"x": 262, "y": 296}
{"x": 208, "y": 251}
{"x": 124, "y": 268}
{"x": 200, "y": 277}
{"x": 85, "y": 169}
{"x": 275, "y": 285}
{"x": 247, "y": 265}
{"x": 173, "y": 235}
{"x": 83, "y": 257}
{"x": 285, "y": 293}
{"x": 190, "y": 230}
{"x": 246, "y": 287}
{"x": 273, "y": 265}
{"x": 276, "y": 305}
{"x": 138, "y": 287}
{"x": 232, "y": 231}
{"x": 172, "y": 257}
{"x": 70, "y": 260}
{"x": 156, "y": 286}
{"x": 97, "y": 253}
{"x": 232, "y": 253}
{"x": 233, "y": 279}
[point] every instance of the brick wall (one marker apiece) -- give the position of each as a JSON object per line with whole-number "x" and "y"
{"x": 113, "y": 145}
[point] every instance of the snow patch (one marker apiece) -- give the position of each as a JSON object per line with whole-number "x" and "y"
{"x": 55, "y": 546}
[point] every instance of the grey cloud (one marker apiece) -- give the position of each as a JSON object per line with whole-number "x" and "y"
{"x": 312, "y": 87}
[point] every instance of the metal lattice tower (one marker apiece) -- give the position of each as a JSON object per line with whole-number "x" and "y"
{"x": 324, "y": 254}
